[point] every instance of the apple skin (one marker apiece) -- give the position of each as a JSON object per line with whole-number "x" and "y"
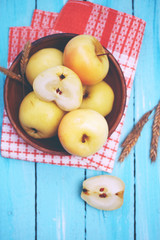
{"x": 59, "y": 84}
{"x": 39, "y": 119}
{"x": 80, "y": 55}
{"x": 99, "y": 97}
{"x": 83, "y": 132}
{"x": 42, "y": 60}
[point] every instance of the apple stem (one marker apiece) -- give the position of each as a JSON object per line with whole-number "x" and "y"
{"x": 84, "y": 138}
{"x": 102, "y": 54}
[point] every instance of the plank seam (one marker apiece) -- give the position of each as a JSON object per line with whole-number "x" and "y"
{"x": 35, "y": 201}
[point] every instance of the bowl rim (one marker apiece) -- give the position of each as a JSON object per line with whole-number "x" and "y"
{"x": 124, "y": 93}
{"x": 6, "y": 104}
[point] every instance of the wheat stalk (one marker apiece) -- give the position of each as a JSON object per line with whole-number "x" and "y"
{"x": 133, "y": 136}
{"x": 155, "y": 134}
{"x": 137, "y": 128}
{"x": 11, "y": 74}
{"x": 25, "y": 58}
{"x": 23, "y": 64}
{"x": 24, "y": 61}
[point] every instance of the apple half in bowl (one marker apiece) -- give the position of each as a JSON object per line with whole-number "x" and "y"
{"x": 13, "y": 94}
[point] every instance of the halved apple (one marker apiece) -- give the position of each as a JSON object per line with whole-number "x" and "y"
{"x": 103, "y": 192}
{"x": 59, "y": 84}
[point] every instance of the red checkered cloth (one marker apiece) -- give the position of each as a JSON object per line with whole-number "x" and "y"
{"x": 119, "y": 32}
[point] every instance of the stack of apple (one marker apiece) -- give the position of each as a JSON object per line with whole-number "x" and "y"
{"x": 69, "y": 98}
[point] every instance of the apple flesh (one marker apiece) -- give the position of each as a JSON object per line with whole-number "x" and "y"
{"x": 42, "y": 60}
{"x": 81, "y": 54}
{"x": 103, "y": 192}
{"x": 99, "y": 97}
{"x": 39, "y": 119}
{"x": 83, "y": 132}
{"x": 59, "y": 84}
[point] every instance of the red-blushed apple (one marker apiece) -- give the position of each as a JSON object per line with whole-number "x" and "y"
{"x": 99, "y": 97}
{"x": 83, "y": 54}
{"x": 83, "y": 132}
{"x": 38, "y": 118}
{"x": 42, "y": 60}
{"x": 103, "y": 192}
{"x": 59, "y": 84}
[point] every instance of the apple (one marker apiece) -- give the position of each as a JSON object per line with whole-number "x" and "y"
{"x": 83, "y": 132}
{"x": 83, "y": 54}
{"x": 39, "y": 119}
{"x": 103, "y": 192}
{"x": 42, "y": 60}
{"x": 59, "y": 84}
{"x": 99, "y": 97}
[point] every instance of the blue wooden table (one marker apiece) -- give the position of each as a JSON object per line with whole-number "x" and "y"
{"x": 41, "y": 201}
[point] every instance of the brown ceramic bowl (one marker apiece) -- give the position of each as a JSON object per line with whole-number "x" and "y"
{"x": 13, "y": 94}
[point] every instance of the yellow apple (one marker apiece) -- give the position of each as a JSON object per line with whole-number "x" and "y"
{"x": 39, "y": 119}
{"x": 59, "y": 84}
{"x": 42, "y": 60}
{"x": 81, "y": 54}
{"x": 83, "y": 132}
{"x": 99, "y": 97}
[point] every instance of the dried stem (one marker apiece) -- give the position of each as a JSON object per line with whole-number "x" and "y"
{"x": 155, "y": 134}
{"x": 133, "y": 136}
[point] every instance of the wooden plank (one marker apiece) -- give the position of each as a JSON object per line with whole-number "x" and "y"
{"x": 118, "y": 224}
{"x": 17, "y": 214}
{"x": 59, "y": 215}
{"x": 124, "y": 6}
{"x": 146, "y": 96}
{"x": 51, "y": 6}
{"x": 60, "y": 210}
{"x": 17, "y": 185}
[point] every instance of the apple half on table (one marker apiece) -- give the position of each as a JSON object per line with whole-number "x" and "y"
{"x": 104, "y": 192}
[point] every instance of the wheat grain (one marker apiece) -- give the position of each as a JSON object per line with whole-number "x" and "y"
{"x": 155, "y": 134}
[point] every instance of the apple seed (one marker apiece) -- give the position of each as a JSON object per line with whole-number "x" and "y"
{"x": 62, "y": 76}
{"x": 103, "y": 195}
{"x": 58, "y": 91}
